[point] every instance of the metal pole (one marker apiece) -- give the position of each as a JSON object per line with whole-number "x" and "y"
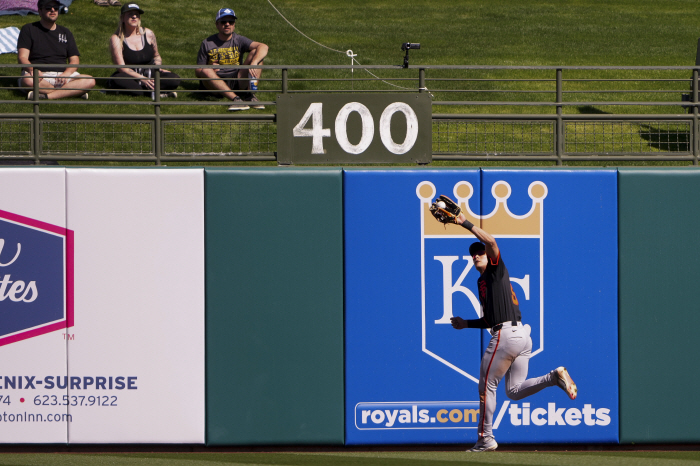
{"x": 158, "y": 143}
{"x": 284, "y": 81}
{"x": 694, "y": 139}
{"x": 559, "y": 139}
{"x": 37, "y": 121}
{"x": 421, "y": 80}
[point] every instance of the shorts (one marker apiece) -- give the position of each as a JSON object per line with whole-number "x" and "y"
{"x": 49, "y": 76}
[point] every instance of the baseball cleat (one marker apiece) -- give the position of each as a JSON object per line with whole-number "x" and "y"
{"x": 482, "y": 446}
{"x": 565, "y": 382}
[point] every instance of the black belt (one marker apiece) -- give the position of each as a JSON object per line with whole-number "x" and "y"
{"x": 496, "y": 328}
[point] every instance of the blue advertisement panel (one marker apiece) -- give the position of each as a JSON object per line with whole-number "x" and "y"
{"x": 410, "y": 376}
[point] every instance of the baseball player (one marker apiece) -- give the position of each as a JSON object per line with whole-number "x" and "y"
{"x": 508, "y": 352}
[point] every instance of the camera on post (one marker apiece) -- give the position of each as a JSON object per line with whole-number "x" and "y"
{"x": 408, "y": 46}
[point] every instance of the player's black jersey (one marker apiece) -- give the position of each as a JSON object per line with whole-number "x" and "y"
{"x": 496, "y": 294}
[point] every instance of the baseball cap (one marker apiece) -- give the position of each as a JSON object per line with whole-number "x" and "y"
{"x": 131, "y": 6}
{"x": 42, "y": 3}
{"x": 225, "y": 12}
{"x": 476, "y": 247}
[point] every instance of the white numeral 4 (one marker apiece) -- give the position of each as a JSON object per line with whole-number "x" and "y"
{"x": 317, "y": 131}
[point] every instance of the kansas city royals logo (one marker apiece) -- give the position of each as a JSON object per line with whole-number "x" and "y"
{"x": 449, "y": 277}
{"x": 36, "y": 278}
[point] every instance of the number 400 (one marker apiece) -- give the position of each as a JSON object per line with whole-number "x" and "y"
{"x": 318, "y": 132}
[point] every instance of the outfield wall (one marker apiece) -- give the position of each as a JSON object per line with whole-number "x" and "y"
{"x": 311, "y": 306}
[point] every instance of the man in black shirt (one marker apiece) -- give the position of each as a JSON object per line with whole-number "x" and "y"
{"x": 508, "y": 352}
{"x": 45, "y": 42}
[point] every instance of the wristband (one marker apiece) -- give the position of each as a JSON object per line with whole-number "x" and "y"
{"x": 468, "y": 225}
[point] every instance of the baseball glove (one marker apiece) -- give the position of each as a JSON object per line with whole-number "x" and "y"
{"x": 445, "y": 210}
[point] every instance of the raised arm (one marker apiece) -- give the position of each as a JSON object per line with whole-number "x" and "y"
{"x": 488, "y": 240}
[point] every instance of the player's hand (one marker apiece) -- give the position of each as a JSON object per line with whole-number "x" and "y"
{"x": 458, "y": 323}
{"x": 460, "y": 218}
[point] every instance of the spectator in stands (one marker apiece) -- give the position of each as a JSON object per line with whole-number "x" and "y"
{"x": 131, "y": 45}
{"x": 45, "y": 42}
{"x": 227, "y": 49}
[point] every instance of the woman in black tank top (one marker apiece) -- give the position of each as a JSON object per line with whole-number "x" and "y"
{"x": 133, "y": 45}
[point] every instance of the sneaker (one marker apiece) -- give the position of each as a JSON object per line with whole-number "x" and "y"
{"x": 238, "y": 105}
{"x": 164, "y": 95}
{"x": 85, "y": 96}
{"x": 484, "y": 445}
{"x": 30, "y": 96}
{"x": 254, "y": 102}
{"x": 565, "y": 382}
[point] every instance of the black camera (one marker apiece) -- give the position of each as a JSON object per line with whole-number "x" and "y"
{"x": 409, "y": 45}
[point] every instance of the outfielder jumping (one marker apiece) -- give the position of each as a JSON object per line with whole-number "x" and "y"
{"x": 508, "y": 352}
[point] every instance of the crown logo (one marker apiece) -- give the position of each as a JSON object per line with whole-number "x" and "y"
{"x": 500, "y": 222}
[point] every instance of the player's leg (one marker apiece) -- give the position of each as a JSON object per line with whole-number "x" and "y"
{"x": 518, "y": 386}
{"x": 494, "y": 365}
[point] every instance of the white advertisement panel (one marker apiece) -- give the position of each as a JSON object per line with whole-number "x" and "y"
{"x": 35, "y": 305}
{"x": 136, "y": 352}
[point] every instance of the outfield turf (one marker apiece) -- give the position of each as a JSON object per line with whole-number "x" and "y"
{"x": 466, "y": 32}
{"x": 642, "y": 458}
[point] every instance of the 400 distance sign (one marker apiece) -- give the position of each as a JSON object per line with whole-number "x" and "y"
{"x": 354, "y": 128}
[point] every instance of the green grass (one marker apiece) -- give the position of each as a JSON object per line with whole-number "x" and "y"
{"x": 466, "y": 32}
{"x": 433, "y": 458}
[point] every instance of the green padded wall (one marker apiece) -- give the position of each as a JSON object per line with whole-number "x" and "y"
{"x": 659, "y": 247}
{"x": 274, "y": 312}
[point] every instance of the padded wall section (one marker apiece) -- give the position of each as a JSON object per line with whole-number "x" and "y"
{"x": 34, "y": 250}
{"x": 136, "y": 353}
{"x": 411, "y": 377}
{"x": 404, "y": 361}
{"x": 274, "y": 244}
{"x": 659, "y": 295}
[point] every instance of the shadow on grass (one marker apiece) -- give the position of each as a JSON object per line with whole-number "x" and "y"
{"x": 665, "y": 140}
{"x": 9, "y": 82}
{"x": 591, "y": 110}
{"x": 661, "y": 139}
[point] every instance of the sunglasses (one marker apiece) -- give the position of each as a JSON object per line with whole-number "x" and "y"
{"x": 226, "y": 22}
{"x": 52, "y": 8}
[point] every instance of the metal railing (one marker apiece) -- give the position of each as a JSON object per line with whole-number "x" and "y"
{"x": 481, "y": 114}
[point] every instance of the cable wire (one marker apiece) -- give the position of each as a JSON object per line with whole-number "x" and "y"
{"x": 348, "y": 53}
